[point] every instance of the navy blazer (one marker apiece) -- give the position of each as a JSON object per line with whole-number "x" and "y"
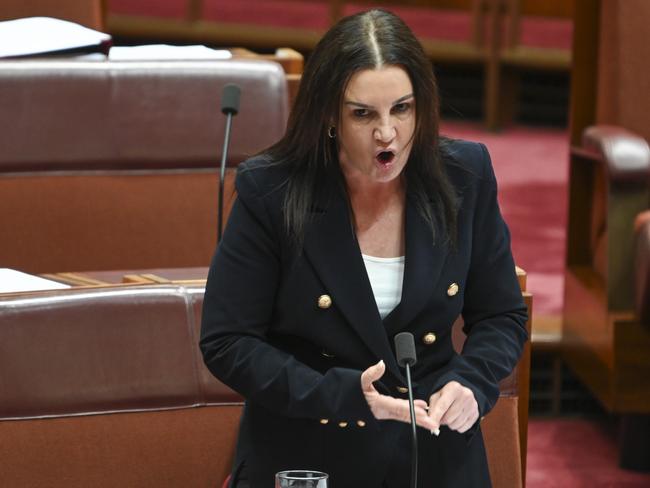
{"x": 298, "y": 364}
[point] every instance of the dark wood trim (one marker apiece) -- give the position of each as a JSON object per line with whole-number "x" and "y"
{"x": 584, "y": 72}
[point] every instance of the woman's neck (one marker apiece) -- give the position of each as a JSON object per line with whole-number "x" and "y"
{"x": 371, "y": 197}
{"x": 378, "y": 217}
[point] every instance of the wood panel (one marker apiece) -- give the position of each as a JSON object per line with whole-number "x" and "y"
{"x": 548, "y": 8}
{"x": 89, "y": 13}
{"x": 582, "y": 106}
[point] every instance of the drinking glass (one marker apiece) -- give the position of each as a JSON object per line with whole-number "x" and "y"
{"x": 301, "y": 478}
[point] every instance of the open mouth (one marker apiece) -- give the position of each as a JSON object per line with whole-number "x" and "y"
{"x": 386, "y": 157}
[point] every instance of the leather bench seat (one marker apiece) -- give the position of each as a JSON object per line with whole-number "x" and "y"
{"x": 106, "y": 387}
{"x": 114, "y": 165}
{"x": 108, "y": 115}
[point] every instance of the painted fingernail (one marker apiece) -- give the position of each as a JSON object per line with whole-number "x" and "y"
{"x": 435, "y": 432}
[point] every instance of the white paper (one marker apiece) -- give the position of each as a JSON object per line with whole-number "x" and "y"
{"x": 165, "y": 52}
{"x": 35, "y": 35}
{"x": 12, "y": 281}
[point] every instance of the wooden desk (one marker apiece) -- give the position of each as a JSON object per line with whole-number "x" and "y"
{"x": 291, "y": 61}
{"x": 194, "y": 275}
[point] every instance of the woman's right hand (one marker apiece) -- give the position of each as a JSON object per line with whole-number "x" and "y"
{"x": 386, "y": 407}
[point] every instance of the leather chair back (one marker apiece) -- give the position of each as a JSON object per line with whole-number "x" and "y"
{"x": 115, "y": 165}
{"x": 106, "y": 387}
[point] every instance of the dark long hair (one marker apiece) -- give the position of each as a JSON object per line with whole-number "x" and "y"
{"x": 366, "y": 40}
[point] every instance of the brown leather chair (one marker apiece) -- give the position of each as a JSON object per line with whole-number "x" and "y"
{"x": 604, "y": 339}
{"x": 114, "y": 165}
{"x": 605, "y": 344}
{"x": 106, "y": 387}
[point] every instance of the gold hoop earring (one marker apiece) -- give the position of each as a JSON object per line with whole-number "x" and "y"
{"x": 331, "y": 132}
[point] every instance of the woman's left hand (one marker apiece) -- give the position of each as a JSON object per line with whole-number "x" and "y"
{"x": 453, "y": 405}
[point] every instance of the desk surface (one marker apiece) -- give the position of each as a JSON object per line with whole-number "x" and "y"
{"x": 143, "y": 276}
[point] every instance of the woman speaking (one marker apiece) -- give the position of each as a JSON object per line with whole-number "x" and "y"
{"x": 360, "y": 223}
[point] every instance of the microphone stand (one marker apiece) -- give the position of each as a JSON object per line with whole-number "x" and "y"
{"x": 222, "y": 175}
{"x": 414, "y": 452}
{"x": 229, "y": 107}
{"x": 407, "y": 357}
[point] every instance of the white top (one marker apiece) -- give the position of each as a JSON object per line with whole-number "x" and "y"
{"x": 386, "y": 276}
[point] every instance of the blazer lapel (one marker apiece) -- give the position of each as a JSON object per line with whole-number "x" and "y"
{"x": 332, "y": 248}
{"x": 424, "y": 262}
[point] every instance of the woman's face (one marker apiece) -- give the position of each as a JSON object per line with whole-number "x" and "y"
{"x": 375, "y": 131}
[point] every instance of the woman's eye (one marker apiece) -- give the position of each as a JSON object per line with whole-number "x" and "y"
{"x": 360, "y": 112}
{"x": 401, "y": 107}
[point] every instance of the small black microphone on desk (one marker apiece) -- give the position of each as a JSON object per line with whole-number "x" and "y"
{"x": 229, "y": 107}
{"x": 406, "y": 357}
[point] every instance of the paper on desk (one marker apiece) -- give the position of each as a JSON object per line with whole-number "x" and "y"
{"x": 165, "y": 52}
{"x": 14, "y": 281}
{"x": 37, "y": 35}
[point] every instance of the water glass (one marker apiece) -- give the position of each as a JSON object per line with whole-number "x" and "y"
{"x": 301, "y": 478}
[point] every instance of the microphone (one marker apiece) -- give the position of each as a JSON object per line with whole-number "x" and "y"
{"x": 230, "y": 99}
{"x": 406, "y": 357}
{"x": 230, "y": 108}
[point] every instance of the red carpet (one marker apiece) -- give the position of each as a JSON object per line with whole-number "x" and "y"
{"x": 531, "y": 165}
{"x": 576, "y": 453}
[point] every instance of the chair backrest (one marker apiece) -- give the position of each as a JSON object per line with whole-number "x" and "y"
{"x": 106, "y": 387}
{"x": 102, "y": 115}
{"x": 451, "y": 23}
{"x": 114, "y": 165}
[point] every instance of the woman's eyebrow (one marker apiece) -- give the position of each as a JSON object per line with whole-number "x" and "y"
{"x": 403, "y": 99}
{"x": 363, "y": 105}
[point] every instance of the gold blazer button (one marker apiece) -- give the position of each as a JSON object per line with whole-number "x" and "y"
{"x": 361, "y": 423}
{"x": 324, "y": 301}
{"x": 402, "y": 389}
{"x": 452, "y": 290}
{"x": 324, "y": 421}
{"x": 343, "y": 424}
{"x": 429, "y": 338}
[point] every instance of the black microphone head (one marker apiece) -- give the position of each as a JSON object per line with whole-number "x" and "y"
{"x": 405, "y": 349}
{"x": 230, "y": 99}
